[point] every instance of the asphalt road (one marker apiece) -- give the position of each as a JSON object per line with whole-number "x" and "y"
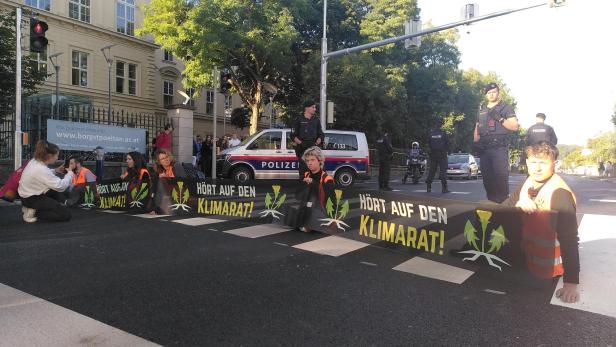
{"x": 175, "y": 284}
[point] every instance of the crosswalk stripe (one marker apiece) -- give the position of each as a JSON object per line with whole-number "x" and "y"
{"x": 26, "y": 320}
{"x": 597, "y": 274}
{"x": 257, "y": 231}
{"x": 331, "y": 245}
{"x": 151, "y": 216}
{"x": 434, "y": 269}
{"x": 602, "y": 200}
{"x": 112, "y": 211}
{"x": 196, "y": 221}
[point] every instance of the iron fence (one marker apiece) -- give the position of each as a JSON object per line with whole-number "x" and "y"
{"x": 34, "y": 124}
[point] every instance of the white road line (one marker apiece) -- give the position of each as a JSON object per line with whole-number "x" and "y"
{"x": 602, "y": 200}
{"x": 257, "y": 231}
{"x": 492, "y": 291}
{"x": 281, "y": 244}
{"x": 111, "y": 211}
{"x": 26, "y": 320}
{"x": 597, "y": 272}
{"x": 150, "y": 216}
{"x": 196, "y": 221}
{"x": 334, "y": 246}
{"x": 433, "y": 269}
{"x": 367, "y": 263}
{"x": 460, "y": 192}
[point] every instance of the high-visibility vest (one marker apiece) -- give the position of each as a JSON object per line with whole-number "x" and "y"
{"x": 80, "y": 178}
{"x": 142, "y": 172}
{"x": 539, "y": 238}
{"x": 325, "y": 178}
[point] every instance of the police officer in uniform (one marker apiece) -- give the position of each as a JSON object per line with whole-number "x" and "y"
{"x": 383, "y": 146}
{"x": 496, "y": 120}
{"x": 307, "y": 132}
{"x": 439, "y": 145}
{"x": 541, "y": 132}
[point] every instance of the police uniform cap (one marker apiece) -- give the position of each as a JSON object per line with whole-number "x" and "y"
{"x": 489, "y": 87}
{"x": 540, "y": 115}
{"x": 309, "y": 103}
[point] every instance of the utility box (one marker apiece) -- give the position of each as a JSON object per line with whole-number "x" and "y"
{"x": 469, "y": 11}
{"x": 330, "y": 112}
{"x": 412, "y": 27}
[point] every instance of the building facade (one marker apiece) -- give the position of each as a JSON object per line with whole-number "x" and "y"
{"x": 143, "y": 78}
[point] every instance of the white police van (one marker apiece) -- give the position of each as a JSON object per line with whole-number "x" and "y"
{"x": 270, "y": 154}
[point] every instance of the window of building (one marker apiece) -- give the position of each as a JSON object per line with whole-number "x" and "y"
{"x": 126, "y": 17}
{"x": 39, "y": 61}
{"x": 132, "y": 79}
{"x": 126, "y": 78}
{"x": 167, "y": 55}
{"x": 40, "y": 4}
{"x": 80, "y": 10}
{"x": 191, "y": 93}
{"x": 80, "y": 69}
{"x": 209, "y": 102}
{"x": 167, "y": 93}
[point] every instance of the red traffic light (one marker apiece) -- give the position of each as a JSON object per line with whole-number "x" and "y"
{"x": 38, "y": 28}
{"x": 38, "y": 41}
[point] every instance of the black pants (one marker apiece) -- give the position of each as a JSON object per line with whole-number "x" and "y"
{"x": 48, "y": 206}
{"x": 384, "y": 168}
{"x": 438, "y": 159}
{"x": 495, "y": 171}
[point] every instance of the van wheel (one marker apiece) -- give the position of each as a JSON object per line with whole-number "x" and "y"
{"x": 345, "y": 177}
{"x": 241, "y": 174}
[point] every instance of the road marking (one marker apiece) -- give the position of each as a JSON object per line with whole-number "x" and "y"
{"x": 150, "y": 216}
{"x": 26, "y": 320}
{"x": 257, "y": 231}
{"x": 111, "y": 211}
{"x": 434, "y": 269}
{"x": 492, "y": 291}
{"x": 196, "y": 221}
{"x": 602, "y": 200}
{"x": 597, "y": 272}
{"x": 460, "y": 192}
{"x": 281, "y": 244}
{"x": 367, "y": 263}
{"x": 334, "y": 246}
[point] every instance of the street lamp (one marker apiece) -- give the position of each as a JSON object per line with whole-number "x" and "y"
{"x": 57, "y": 68}
{"x": 109, "y": 62}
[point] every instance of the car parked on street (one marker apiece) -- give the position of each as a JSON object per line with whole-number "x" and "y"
{"x": 462, "y": 165}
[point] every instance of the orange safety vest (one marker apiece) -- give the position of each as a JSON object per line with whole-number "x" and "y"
{"x": 81, "y": 177}
{"x": 324, "y": 179}
{"x": 539, "y": 238}
{"x": 142, "y": 172}
{"x": 168, "y": 172}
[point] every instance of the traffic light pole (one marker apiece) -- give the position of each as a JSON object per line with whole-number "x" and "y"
{"x": 215, "y": 77}
{"x": 17, "y": 144}
{"x": 325, "y": 55}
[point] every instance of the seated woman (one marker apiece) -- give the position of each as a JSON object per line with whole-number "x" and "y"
{"x": 166, "y": 165}
{"x": 318, "y": 183}
{"x": 41, "y": 190}
{"x": 136, "y": 170}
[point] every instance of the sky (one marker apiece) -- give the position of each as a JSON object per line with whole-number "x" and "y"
{"x": 559, "y": 61}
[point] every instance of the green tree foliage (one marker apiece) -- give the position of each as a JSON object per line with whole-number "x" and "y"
{"x": 258, "y": 37}
{"x": 30, "y": 78}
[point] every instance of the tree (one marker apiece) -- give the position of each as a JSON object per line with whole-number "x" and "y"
{"x": 30, "y": 76}
{"x": 258, "y": 37}
{"x": 614, "y": 116}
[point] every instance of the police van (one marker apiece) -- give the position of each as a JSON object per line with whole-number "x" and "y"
{"x": 270, "y": 154}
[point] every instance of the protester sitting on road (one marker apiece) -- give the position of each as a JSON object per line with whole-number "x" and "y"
{"x": 41, "y": 190}
{"x": 166, "y": 165}
{"x": 544, "y": 190}
{"x": 316, "y": 179}
{"x": 82, "y": 176}
{"x": 136, "y": 170}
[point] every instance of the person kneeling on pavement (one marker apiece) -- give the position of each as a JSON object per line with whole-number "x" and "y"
{"x": 41, "y": 190}
{"x": 549, "y": 253}
{"x": 317, "y": 183}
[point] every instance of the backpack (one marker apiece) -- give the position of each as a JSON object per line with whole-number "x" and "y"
{"x": 8, "y": 192}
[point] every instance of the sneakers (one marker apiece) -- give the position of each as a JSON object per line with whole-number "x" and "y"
{"x": 29, "y": 214}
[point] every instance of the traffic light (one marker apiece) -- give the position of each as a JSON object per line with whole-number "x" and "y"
{"x": 225, "y": 82}
{"x": 38, "y": 41}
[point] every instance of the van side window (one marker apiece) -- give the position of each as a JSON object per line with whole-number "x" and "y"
{"x": 290, "y": 143}
{"x": 340, "y": 142}
{"x": 269, "y": 140}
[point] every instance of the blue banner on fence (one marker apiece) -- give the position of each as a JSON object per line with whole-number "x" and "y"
{"x": 87, "y": 136}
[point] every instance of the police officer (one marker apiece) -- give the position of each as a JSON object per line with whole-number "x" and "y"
{"x": 496, "y": 120}
{"x": 307, "y": 132}
{"x": 540, "y": 132}
{"x": 383, "y": 146}
{"x": 439, "y": 145}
